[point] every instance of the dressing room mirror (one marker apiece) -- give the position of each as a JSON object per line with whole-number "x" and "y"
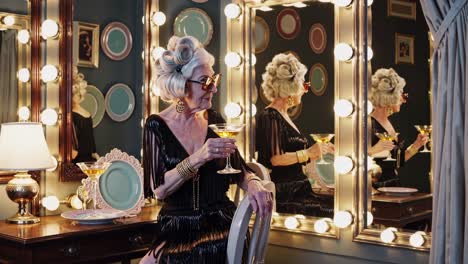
{"x": 104, "y": 78}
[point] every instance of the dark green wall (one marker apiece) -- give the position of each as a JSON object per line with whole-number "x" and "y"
{"x": 317, "y": 111}
{"x": 14, "y": 6}
{"x": 417, "y": 110}
{"x": 110, "y": 134}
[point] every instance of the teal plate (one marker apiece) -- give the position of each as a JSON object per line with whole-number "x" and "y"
{"x": 326, "y": 172}
{"x": 120, "y": 102}
{"x": 93, "y": 102}
{"x": 116, "y": 41}
{"x": 194, "y": 22}
{"x": 318, "y": 78}
{"x": 120, "y": 186}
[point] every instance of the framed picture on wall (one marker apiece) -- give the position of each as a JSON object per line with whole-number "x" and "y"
{"x": 403, "y": 9}
{"x": 85, "y": 44}
{"x": 404, "y": 48}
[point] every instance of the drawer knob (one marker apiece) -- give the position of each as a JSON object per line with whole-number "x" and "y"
{"x": 71, "y": 251}
{"x": 410, "y": 210}
{"x": 136, "y": 240}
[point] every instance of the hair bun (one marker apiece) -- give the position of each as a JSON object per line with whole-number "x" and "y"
{"x": 183, "y": 54}
{"x": 284, "y": 72}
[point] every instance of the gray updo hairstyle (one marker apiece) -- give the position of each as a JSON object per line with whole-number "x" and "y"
{"x": 386, "y": 88}
{"x": 284, "y": 76}
{"x": 176, "y": 66}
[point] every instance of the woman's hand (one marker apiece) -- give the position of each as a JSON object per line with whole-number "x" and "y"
{"x": 260, "y": 198}
{"x": 314, "y": 151}
{"x": 214, "y": 148}
{"x": 420, "y": 141}
{"x": 382, "y": 145}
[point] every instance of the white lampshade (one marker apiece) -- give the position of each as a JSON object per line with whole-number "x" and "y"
{"x": 23, "y": 147}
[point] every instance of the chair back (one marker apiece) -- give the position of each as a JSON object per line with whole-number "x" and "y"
{"x": 260, "y": 171}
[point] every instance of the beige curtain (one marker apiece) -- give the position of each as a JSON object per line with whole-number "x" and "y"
{"x": 448, "y": 21}
{"x": 8, "y": 80}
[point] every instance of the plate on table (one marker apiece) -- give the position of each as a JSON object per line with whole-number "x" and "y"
{"x": 397, "y": 191}
{"x": 120, "y": 102}
{"x": 326, "y": 172}
{"x": 93, "y": 217}
{"x": 93, "y": 102}
{"x": 194, "y": 22}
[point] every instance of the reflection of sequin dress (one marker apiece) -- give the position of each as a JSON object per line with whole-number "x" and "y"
{"x": 294, "y": 195}
{"x": 389, "y": 176}
{"x": 190, "y": 236}
{"x": 83, "y": 138}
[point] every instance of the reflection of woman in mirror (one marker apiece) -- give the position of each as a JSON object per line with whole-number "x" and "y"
{"x": 85, "y": 45}
{"x": 280, "y": 144}
{"x": 84, "y": 147}
{"x": 386, "y": 95}
{"x": 182, "y": 157}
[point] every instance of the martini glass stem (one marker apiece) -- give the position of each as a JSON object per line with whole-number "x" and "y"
{"x": 94, "y": 194}
{"x": 228, "y": 163}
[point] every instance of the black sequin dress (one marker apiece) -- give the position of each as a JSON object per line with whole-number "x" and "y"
{"x": 294, "y": 194}
{"x": 83, "y": 138}
{"x": 389, "y": 176}
{"x": 190, "y": 236}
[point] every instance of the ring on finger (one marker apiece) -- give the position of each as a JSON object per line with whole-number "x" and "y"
{"x": 216, "y": 150}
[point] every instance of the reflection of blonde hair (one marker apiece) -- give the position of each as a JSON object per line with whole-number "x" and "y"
{"x": 176, "y": 65}
{"x": 79, "y": 84}
{"x": 284, "y": 76}
{"x": 386, "y": 88}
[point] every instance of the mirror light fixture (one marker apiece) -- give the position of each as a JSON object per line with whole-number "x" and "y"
{"x": 265, "y": 8}
{"x": 24, "y": 113}
{"x": 8, "y": 20}
{"x": 370, "y": 107}
{"x": 143, "y": 18}
{"x": 369, "y": 2}
{"x": 232, "y": 59}
{"x": 343, "y": 108}
{"x": 49, "y": 29}
{"x": 49, "y": 73}
{"x": 158, "y": 18}
{"x": 370, "y": 53}
{"x": 49, "y": 117}
{"x": 322, "y": 226}
{"x": 343, "y": 52}
{"x": 23, "y": 36}
{"x": 343, "y": 3}
{"x": 417, "y": 239}
{"x": 51, "y": 202}
{"x": 370, "y": 218}
{"x": 55, "y": 162}
{"x": 254, "y": 110}
{"x": 156, "y": 90}
{"x": 388, "y": 235}
{"x": 24, "y": 75}
{"x": 342, "y": 219}
{"x": 232, "y": 11}
{"x": 291, "y": 222}
{"x": 253, "y": 59}
{"x": 232, "y": 110}
{"x": 343, "y": 164}
{"x": 157, "y": 52}
{"x": 143, "y": 55}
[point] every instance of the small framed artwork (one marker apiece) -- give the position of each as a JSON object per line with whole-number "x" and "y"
{"x": 86, "y": 44}
{"x": 404, "y": 9}
{"x": 404, "y": 48}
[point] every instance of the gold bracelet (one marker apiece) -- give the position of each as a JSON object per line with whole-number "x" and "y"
{"x": 412, "y": 150}
{"x": 302, "y": 156}
{"x": 186, "y": 169}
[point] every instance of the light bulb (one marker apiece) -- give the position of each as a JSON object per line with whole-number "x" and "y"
{"x": 158, "y": 18}
{"x": 417, "y": 239}
{"x": 49, "y": 117}
{"x": 24, "y": 113}
{"x": 370, "y": 107}
{"x": 55, "y": 162}
{"x": 370, "y": 53}
{"x": 51, "y": 203}
{"x": 369, "y": 2}
{"x": 75, "y": 202}
{"x": 370, "y": 218}
{"x": 49, "y": 29}
{"x": 342, "y": 219}
{"x": 370, "y": 163}
{"x": 142, "y": 122}
{"x": 232, "y": 11}
{"x": 143, "y": 55}
{"x": 157, "y": 52}
{"x": 291, "y": 222}
{"x": 343, "y": 164}
{"x": 254, "y": 110}
{"x": 156, "y": 90}
{"x": 343, "y": 52}
{"x": 49, "y": 73}
{"x": 388, "y": 235}
{"x": 23, "y": 36}
{"x": 253, "y": 59}
{"x": 265, "y": 8}
{"x": 343, "y": 3}
{"x": 232, "y": 110}
{"x": 8, "y": 20}
{"x": 143, "y": 20}
{"x": 299, "y": 5}
{"x": 343, "y": 108}
{"x": 141, "y": 153}
{"x": 321, "y": 226}
{"x": 299, "y": 216}
{"x": 24, "y": 75}
{"x": 233, "y": 59}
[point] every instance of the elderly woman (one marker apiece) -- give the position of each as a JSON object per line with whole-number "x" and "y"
{"x": 182, "y": 156}
{"x": 281, "y": 146}
{"x": 386, "y": 95}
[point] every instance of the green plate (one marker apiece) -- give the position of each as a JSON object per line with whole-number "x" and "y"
{"x": 120, "y": 186}
{"x": 318, "y": 78}
{"x": 326, "y": 172}
{"x": 120, "y": 102}
{"x": 194, "y": 22}
{"x": 116, "y": 41}
{"x": 93, "y": 102}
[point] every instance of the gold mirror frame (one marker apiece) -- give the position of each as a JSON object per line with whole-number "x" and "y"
{"x": 361, "y": 183}
{"x": 345, "y": 81}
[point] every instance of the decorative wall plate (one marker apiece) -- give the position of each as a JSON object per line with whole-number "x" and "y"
{"x": 120, "y": 102}
{"x": 116, "y": 41}
{"x": 261, "y": 34}
{"x": 194, "y": 22}
{"x": 317, "y": 38}
{"x": 93, "y": 102}
{"x": 288, "y": 23}
{"x": 318, "y": 78}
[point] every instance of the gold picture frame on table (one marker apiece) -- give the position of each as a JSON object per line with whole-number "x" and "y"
{"x": 86, "y": 44}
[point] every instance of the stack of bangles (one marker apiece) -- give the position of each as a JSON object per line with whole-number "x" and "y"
{"x": 412, "y": 150}
{"x": 302, "y": 156}
{"x": 186, "y": 169}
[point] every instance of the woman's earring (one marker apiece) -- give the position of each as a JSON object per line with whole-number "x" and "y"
{"x": 290, "y": 101}
{"x": 389, "y": 111}
{"x": 180, "y": 106}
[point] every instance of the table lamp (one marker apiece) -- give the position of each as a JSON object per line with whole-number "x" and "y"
{"x": 23, "y": 148}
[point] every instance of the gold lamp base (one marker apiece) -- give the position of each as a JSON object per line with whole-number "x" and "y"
{"x": 22, "y": 189}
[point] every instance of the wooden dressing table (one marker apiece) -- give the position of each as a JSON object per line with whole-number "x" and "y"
{"x": 58, "y": 240}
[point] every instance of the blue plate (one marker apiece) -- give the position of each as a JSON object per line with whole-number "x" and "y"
{"x": 326, "y": 171}
{"x": 120, "y": 186}
{"x": 194, "y": 22}
{"x": 120, "y": 102}
{"x": 93, "y": 102}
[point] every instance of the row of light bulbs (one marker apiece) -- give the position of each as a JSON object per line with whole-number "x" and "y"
{"x": 49, "y": 29}
{"x": 49, "y": 73}
{"x": 49, "y": 116}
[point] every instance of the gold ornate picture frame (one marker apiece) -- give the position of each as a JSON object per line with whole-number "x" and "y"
{"x": 86, "y": 44}
{"x": 402, "y": 9}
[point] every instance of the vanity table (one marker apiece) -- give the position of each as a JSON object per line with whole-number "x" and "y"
{"x": 58, "y": 240}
